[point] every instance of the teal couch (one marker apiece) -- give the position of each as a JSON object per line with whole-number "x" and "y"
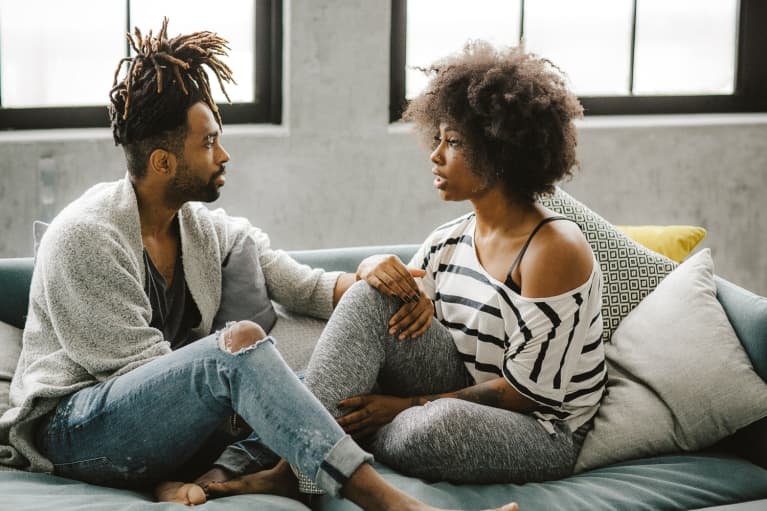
{"x": 730, "y": 476}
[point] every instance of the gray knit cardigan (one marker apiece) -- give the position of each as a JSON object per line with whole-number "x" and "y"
{"x": 88, "y": 318}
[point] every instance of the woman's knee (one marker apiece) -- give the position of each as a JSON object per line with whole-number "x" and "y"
{"x": 363, "y": 296}
{"x": 241, "y": 335}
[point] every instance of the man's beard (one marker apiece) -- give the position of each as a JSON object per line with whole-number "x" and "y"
{"x": 185, "y": 186}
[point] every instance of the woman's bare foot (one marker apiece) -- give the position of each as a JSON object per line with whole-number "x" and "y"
{"x": 182, "y": 493}
{"x": 371, "y": 492}
{"x": 279, "y": 480}
{"x": 423, "y": 507}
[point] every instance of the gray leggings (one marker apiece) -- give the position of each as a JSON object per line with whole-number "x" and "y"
{"x": 447, "y": 439}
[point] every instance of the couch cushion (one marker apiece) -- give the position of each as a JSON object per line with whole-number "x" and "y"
{"x": 629, "y": 270}
{"x": 679, "y": 378}
{"x": 295, "y": 336}
{"x": 23, "y": 491}
{"x": 659, "y": 484}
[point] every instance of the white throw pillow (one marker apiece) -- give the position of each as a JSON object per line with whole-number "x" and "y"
{"x": 678, "y": 377}
{"x": 10, "y": 349}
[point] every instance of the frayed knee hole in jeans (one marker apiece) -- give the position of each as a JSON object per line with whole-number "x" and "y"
{"x": 238, "y": 337}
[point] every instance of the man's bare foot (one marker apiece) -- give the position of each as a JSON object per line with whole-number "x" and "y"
{"x": 279, "y": 480}
{"x": 214, "y": 475}
{"x": 182, "y": 493}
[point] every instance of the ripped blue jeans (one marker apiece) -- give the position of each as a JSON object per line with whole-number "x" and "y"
{"x": 142, "y": 427}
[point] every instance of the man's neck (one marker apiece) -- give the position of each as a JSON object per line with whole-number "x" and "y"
{"x": 157, "y": 218}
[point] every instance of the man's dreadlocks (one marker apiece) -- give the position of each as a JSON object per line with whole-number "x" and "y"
{"x": 165, "y": 77}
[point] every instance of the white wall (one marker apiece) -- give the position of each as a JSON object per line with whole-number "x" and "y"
{"x": 337, "y": 174}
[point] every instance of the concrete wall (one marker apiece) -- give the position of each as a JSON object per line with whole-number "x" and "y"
{"x": 337, "y": 174}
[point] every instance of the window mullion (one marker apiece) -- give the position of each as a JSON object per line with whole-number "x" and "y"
{"x": 632, "y": 52}
{"x": 128, "y": 28}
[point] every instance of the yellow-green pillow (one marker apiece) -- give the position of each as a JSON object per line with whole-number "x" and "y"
{"x": 673, "y": 241}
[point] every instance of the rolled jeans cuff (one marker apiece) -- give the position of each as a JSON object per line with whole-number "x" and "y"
{"x": 341, "y": 462}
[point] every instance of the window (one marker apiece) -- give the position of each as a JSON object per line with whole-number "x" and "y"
{"x": 621, "y": 56}
{"x": 57, "y": 63}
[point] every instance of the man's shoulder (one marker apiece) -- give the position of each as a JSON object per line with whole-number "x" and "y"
{"x": 96, "y": 218}
{"x": 91, "y": 212}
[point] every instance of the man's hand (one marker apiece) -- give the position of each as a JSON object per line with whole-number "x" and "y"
{"x": 373, "y": 411}
{"x": 413, "y": 318}
{"x": 390, "y": 277}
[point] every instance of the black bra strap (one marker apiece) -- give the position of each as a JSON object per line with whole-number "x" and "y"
{"x": 530, "y": 238}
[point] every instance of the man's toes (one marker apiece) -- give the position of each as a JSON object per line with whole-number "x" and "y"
{"x": 510, "y": 507}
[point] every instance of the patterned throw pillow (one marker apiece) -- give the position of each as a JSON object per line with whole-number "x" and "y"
{"x": 629, "y": 270}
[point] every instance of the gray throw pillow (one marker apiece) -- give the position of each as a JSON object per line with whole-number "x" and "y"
{"x": 679, "y": 378}
{"x": 243, "y": 288}
{"x": 629, "y": 270}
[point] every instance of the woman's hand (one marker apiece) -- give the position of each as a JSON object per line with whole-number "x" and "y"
{"x": 413, "y": 318}
{"x": 373, "y": 411}
{"x": 390, "y": 277}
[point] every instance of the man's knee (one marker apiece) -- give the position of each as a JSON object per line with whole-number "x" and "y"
{"x": 241, "y": 335}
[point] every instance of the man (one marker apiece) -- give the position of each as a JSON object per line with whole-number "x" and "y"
{"x": 119, "y": 382}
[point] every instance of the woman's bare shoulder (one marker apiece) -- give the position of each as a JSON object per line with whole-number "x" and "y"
{"x": 558, "y": 260}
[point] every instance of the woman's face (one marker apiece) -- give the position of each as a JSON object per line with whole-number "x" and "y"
{"x": 453, "y": 177}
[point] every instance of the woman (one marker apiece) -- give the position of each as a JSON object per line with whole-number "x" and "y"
{"x": 502, "y": 385}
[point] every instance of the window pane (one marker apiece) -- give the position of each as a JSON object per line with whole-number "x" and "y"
{"x": 236, "y": 24}
{"x": 685, "y": 47}
{"x": 436, "y": 28}
{"x": 590, "y": 40}
{"x": 51, "y": 56}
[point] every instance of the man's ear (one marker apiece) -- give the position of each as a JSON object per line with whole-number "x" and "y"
{"x": 162, "y": 162}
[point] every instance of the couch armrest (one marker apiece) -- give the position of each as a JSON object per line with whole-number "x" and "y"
{"x": 15, "y": 278}
{"x": 747, "y": 313}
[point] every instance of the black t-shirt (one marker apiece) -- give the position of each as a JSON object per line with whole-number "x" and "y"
{"x": 174, "y": 312}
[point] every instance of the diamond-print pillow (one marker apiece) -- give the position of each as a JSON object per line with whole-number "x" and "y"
{"x": 629, "y": 270}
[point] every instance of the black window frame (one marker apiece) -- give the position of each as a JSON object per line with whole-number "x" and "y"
{"x": 750, "y": 94}
{"x": 266, "y": 107}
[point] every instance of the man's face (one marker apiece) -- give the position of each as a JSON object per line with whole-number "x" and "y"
{"x": 200, "y": 168}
